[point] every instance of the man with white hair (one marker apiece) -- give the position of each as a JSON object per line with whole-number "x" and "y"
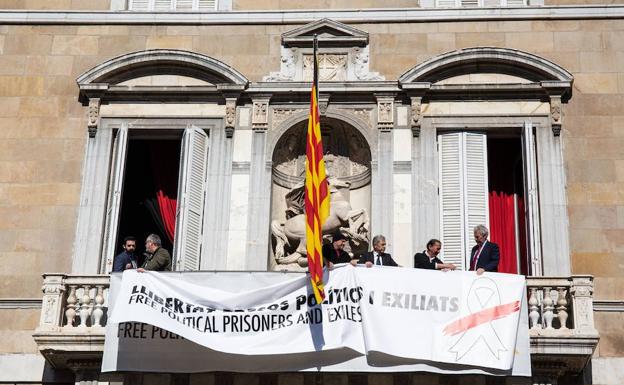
{"x": 485, "y": 254}
{"x": 378, "y": 257}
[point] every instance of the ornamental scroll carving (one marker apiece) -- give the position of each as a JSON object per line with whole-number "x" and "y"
{"x": 556, "y": 114}
{"x": 415, "y": 111}
{"x": 94, "y": 116}
{"x": 230, "y": 117}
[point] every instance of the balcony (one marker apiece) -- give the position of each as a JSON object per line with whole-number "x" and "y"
{"x": 561, "y": 323}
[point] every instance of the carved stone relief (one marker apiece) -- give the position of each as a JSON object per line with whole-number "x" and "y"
{"x": 260, "y": 115}
{"x": 331, "y": 67}
{"x": 94, "y": 116}
{"x": 360, "y": 60}
{"x": 230, "y": 117}
{"x": 288, "y": 66}
{"x": 385, "y": 113}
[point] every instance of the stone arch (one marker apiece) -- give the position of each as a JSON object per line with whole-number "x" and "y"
{"x": 162, "y": 61}
{"x": 486, "y": 59}
{"x": 361, "y": 126}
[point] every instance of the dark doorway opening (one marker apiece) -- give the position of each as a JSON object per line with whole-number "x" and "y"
{"x": 507, "y": 203}
{"x": 150, "y": 190}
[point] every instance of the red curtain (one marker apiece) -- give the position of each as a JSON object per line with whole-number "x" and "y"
{"x": 503, "y": 157}
{"x": 165, "y": 172}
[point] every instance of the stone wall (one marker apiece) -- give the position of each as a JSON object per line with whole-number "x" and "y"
{"x": 43, "y": 127}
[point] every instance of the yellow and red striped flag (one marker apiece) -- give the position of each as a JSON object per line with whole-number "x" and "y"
{"x": 316, "y": 191}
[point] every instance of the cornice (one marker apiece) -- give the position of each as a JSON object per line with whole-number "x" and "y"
{"x": 395, "y": 15}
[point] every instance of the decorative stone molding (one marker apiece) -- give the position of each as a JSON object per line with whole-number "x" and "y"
{"x": 94, "y": 116}
{"x": 415, "y": 114}
{"x": 343, "y": 54}
{"x": 556, "y": 114}
{"x": 385, "y": 112}
{"x": 281, "y": 114}
{"x": 323, "y": 103}
{"x": 260, "y": 114}
{"x": 363, "y": 114}
{"x": 230, "y": 117}
{"x": 53, "y": 289}
{"x": 524, "y": 64}
{"x": 329, "y": 33}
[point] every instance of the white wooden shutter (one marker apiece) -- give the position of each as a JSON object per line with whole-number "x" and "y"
{"x": 163, "y": 5}
{"x": 476, "y": 186}
{"x": 463, "y": 192}
{"x": 207, "y": 5}
{"x": 139, "y": 5}
{"x": 446, "y": 3}
{"x": 515, "y": 3}
{"x": 185, "y": 5}
{"x": 451, "y": 191}
{"x": 531, "y": 204}
{"x": 191, "y": 196}
{"x": 469, "y": 3}
{"x": 492, "y": 3}
{"x": 118, "y": 166}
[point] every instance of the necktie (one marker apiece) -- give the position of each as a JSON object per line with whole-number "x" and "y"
{"x": 473, "y": 265}
{"x": 378, "y": 261}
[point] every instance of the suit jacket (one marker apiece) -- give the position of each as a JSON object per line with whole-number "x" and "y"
{"x": 122, "y": 259}
{"x": 488, "y": 259}
{"x": 421, "y": 261}
{"x": 386, "y": 259}
{"x": 329, "y": 255}
{"x": 159, "y": 261}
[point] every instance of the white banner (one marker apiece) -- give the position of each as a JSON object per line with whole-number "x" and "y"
{"x": 373, "y": 319}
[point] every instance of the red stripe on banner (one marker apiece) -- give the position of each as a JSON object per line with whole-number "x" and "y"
{"x": 481, "y": 317}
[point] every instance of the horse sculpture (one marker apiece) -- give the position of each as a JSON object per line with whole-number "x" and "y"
{"x": 292, "y": 232}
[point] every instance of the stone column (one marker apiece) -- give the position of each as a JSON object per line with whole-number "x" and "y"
{"x": 382, "y": 183}
{"x": 553, "y": 203}
{"x": 92, "y": 209}
{"x": 425, "y": 211}
{"x": 259, "y": 219}
{"x": 217, "y": 206}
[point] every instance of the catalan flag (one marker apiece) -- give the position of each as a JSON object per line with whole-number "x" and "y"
{"x": 316, "y": 190}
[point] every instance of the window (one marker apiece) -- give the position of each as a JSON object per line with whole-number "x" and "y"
{"x": 172, "y": 5}
{"x": 157, "y": 184}
{"x": 489, "y": 179}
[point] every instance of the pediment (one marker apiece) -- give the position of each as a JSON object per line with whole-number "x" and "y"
{"x": 329, "y": 33}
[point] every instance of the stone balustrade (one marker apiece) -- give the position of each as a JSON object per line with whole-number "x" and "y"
{"x": 560, "y": 305}
{"x": 74, "y": 303}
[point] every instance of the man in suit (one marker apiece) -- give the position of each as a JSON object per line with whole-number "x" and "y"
{"x": 334, "y": 252}
{"x": 485, "y": 254}
{"x": 428, "y": 259}
{"x": 378, "y": 256}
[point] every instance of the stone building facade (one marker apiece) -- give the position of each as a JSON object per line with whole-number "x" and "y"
{"x": 83, "y": 84}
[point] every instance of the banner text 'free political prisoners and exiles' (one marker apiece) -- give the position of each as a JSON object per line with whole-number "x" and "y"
{"x": 385, "y": 317}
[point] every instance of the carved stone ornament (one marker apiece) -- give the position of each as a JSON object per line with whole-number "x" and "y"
{"x": 361, "y": 113}
{"x": 415, "y": 114}
{"x": 331, "y": 67}
{"x": 230, "y": 117}
{"x": 288, "y": 67}
{"x": 360, "y": 61}
{"x": 94, "y": 115}
{"x": 260, "y": 116}
{"x": 555, "y": 115}
{"x": 385, "y": 114}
